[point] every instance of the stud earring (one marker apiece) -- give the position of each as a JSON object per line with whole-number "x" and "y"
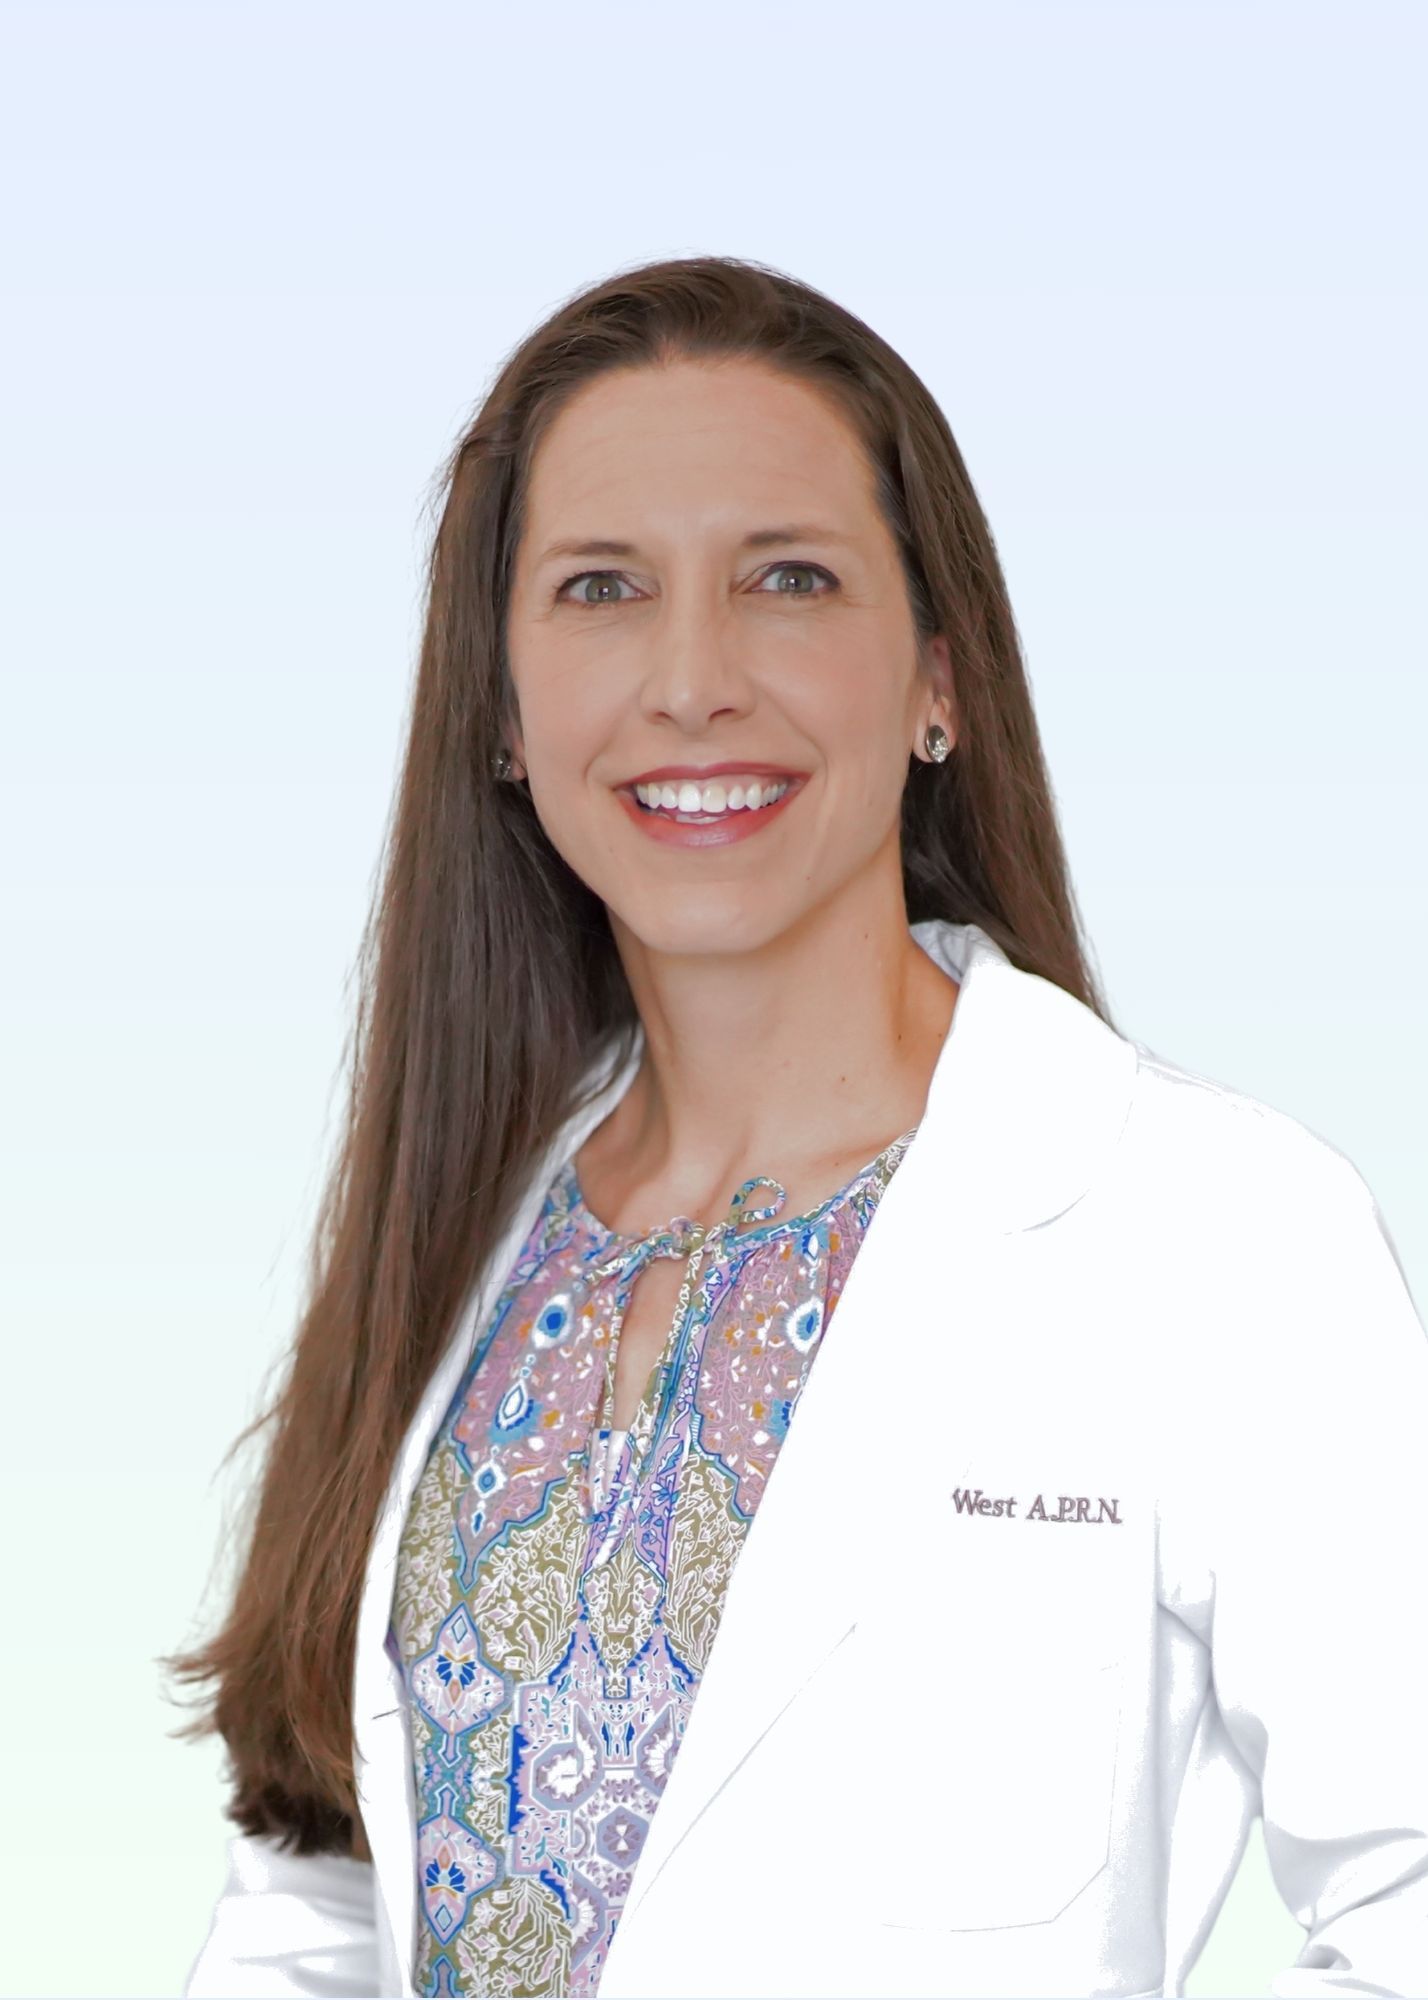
{"x": 501, "y": 763}
{"x": 937, "y": 743}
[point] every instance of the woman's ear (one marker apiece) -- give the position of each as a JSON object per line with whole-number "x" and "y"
{"x": 937, "y": 665}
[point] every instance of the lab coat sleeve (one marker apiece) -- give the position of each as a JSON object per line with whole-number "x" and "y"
{"x": 1320, "y": 1624}
{"x": 289, "y": 1924}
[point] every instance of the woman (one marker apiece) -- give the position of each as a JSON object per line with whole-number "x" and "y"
{"x": 812, "y": 1464}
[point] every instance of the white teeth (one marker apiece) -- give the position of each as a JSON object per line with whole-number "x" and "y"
{"x": 717, "y": 796}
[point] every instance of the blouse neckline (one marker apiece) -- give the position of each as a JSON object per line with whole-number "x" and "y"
{"x": 779, "y": 1226}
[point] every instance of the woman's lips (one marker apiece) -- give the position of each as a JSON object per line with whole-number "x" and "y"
{"x": 740, "y": 825}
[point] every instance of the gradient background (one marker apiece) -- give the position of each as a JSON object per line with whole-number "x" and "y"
{"x": 1162, "y": 265}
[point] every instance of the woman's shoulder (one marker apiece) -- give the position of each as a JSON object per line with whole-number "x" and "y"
{"x": 1220, "y": 1144}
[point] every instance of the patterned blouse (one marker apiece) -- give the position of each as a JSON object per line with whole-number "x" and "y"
{"x": 559, "y": 1584}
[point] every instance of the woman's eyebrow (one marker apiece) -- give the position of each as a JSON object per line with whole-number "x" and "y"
{"x": 760, "y": 538}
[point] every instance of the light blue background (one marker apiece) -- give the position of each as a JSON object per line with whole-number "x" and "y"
{"x": 1163, "y": 267}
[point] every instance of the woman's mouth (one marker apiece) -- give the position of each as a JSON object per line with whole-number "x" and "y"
{"x": 700, "y": 805}
{"x": 679, "y": 813}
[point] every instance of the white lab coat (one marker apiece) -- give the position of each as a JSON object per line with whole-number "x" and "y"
{"x": 949, "y": 1746}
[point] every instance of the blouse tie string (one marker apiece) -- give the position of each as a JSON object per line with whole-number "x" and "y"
{"x": 681, "y": 1236}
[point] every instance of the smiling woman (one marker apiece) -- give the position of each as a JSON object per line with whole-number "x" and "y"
{"x": 792, "y": 669}
{"x": 741, "y": 1163}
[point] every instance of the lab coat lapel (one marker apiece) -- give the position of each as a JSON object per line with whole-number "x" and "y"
{"x": 1028, "y": 1097}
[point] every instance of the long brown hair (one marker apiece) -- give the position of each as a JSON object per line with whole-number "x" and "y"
{"x": 489, "y": 977}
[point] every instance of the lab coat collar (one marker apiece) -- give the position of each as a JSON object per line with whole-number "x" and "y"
{"x": 1030, "y": 1092}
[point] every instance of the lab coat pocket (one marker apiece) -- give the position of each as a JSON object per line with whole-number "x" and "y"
{"x": 1003, "y": 1812}
{"x": 1002, "y": 1690}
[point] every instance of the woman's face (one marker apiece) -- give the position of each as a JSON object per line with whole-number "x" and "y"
{"x": 693, "y": 645}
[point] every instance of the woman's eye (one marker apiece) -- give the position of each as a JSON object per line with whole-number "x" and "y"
{"x": 603, "y": 577}
{"x": 807, "y": 569}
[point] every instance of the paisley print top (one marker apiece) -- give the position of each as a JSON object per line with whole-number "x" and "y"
{"x": 559, "y": 1584}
